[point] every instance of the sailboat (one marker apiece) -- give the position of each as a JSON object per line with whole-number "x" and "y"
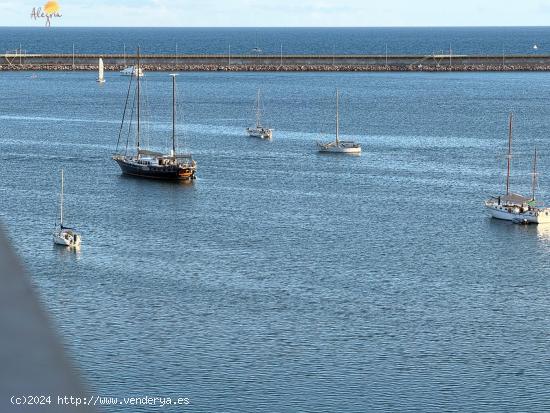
{"x": 339, "y": 146}
{"x": 63, "y": 235}
{"x": 257, "y": 49}
{"x": 156, "y": 165}
{"x": 100, "y": 77}
{"x": 259, "y": 131}
{"x": 514, "y": 207}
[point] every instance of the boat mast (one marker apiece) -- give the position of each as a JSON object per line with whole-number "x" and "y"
{"x": 61, "y": 206}
{"x": 534, "y": 180}
{"x": 509, "y": 156}
{"x": 337, "y": 120}
{"x": 173, "y": 114}
{"x": 258, "y": 109}
{"x": 138, "y": 108}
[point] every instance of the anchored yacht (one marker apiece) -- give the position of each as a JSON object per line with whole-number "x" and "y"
{"x": 63, "y": 235}
{"x": 514, "y": 207}
{"x": 339, "y": 146}
{"x": 150, "y": 164}
{"x": 259, "y": 131}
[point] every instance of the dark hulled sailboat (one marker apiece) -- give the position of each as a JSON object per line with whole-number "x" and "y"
{"x": 150, "y": 164}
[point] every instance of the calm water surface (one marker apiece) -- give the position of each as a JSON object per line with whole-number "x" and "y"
{"x": 282, "y": 280}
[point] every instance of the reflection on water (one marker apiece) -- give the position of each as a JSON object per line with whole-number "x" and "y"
{"x": 543, "y": 233}
{"x": 68, "y": 254}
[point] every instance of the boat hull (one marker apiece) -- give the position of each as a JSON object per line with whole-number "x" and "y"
{"x": 332, "y": 147}
{"x": 260, "y": 133}
{"x": 538, "y": 216}
{"x": 67, "y": 238}
{"x": 156, "y": 172}
{"x": 340, "y": 150}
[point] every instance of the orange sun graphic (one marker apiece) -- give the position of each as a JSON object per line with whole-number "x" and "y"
{"x": 51, "y": 7}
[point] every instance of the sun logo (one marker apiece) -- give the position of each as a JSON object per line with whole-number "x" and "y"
{"x": 50, "y": 10}
{"x": 51, "y": 7}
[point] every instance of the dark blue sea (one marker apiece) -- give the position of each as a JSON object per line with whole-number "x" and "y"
{"x": 316, "y": 41}
{"x": 282, "y": 280}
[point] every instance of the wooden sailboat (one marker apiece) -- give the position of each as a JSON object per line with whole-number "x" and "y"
{"x": 63, "y": 235}
{"x": 259, "y": 131}
{"x": 515, "y": 207}
{"x": 156, "y": 165}
{"x": 339, "y": 146}
{"x": 100, "y": 70}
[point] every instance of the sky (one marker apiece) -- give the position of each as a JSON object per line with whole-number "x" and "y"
{"x": 283, "y": 13}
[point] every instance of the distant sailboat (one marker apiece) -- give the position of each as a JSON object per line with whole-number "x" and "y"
{"x": 100, "y": 76}
{"x": 338, "y": 146}
{"x": 63, "y": 235}
{"x": 257, "y": 49}
{"x": 259, "y": 131}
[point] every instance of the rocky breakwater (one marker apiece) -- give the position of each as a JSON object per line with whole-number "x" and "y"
{"x": 188, "y": 67}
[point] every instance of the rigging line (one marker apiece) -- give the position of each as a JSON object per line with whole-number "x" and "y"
{"x": 130, "y": 123}
{"x": 124, "y": 113}
{"x": 147, "y": 113}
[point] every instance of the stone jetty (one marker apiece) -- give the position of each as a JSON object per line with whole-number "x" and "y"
{"x": 277, "y": 63}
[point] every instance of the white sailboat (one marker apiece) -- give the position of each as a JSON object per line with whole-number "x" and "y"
{"x": 100, "y": 76}
{"x": 63, "y": 235}
{"x": 259, "y": 131}
{"x": 514, "y": 207}
{"x": 339, "y": 146}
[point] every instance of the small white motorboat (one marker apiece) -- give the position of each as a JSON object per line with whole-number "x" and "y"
{"x": 63, "y": 235}
{"x": 132, "y": 71}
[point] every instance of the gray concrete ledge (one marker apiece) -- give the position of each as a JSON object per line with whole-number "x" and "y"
{"x": 32, "y": 359}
